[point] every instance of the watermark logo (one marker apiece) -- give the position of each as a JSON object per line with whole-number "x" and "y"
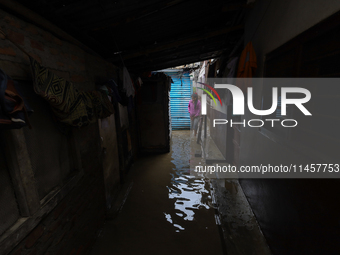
{"x": 213, "y": 90}
{"x": 239, "y": 103}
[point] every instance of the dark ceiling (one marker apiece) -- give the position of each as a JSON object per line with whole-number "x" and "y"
{"x": 149, "y": 35}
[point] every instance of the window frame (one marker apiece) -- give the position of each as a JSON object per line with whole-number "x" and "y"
{"x": 31, "y": 208}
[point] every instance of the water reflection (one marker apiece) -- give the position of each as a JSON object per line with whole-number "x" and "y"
{"x": 189, "y": 193}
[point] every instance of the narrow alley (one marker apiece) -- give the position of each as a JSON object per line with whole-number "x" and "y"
{"x": 182, "y": 127}
{"x": 166, "y": 212}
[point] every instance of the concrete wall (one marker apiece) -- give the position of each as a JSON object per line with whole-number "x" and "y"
{"x": 296, "y": 216}
{"x": 70, "y": 227}
{"x": 107, "y": 127}
{"x": 153, "y": 114}
{"x": 270, "y": 27}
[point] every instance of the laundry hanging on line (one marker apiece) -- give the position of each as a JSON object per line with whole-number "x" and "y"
{"x": 246, "y": 67}
{"x": 127, "y": 82}
{"x": 69, "y": 105}
{"x": 14, "y": 110}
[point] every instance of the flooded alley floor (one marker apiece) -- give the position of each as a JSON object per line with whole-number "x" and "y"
{"x": 166, "y": 212}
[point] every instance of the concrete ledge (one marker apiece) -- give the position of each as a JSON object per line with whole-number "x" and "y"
{"x": 242, "y": 234}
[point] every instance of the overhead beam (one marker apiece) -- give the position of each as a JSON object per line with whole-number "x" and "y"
{"x": 235, "y": 7}
{"x": 41, "y": 22}
{"x": 218, "y": 43}
{"x": 182, "y": 42}
{"x": 176, "y": 54}
{"x": 139, "y": 14}
{"x": 232, "y": 7}
{"x": 177, "y": 62}
{"x": 147, "y": 12}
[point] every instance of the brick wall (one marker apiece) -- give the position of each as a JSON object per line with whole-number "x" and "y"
{"x": 70, "y": 228}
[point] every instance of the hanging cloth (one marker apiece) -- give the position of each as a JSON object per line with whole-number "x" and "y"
{"x": 102, "y": 105}
{"x": 127, "y": 83}
{"x": 114, "y": 91}
{"x": 246, "y": 67}
{"x": 13, "y": 109}
{"x": 68, "y": 104}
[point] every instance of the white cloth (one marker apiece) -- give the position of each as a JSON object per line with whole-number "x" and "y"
{"x": 128, "y": 86}
{"x": 140, "y": 81}
{"x": 124, "y": 116}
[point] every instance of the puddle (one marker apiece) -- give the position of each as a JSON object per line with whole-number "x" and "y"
{"x": 167, "y": 211}
{"x": 188, "y": 193}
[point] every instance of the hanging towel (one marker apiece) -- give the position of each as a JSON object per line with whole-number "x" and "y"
{"x": 13, "y": 109}
{"x": 115, "y": 92}
{"x": 247, "y": 66}
{"x": 102, "y": 105}
{"x": 127, "y": 82}
{"x": 69, "y": 105}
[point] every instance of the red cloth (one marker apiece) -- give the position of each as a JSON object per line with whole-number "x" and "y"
{"x": 246, "y": 67}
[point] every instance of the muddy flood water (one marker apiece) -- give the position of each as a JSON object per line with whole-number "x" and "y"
{"x": 167, "y": 210}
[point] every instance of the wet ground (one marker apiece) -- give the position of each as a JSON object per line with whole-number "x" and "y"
{"x": 167, "y": 211}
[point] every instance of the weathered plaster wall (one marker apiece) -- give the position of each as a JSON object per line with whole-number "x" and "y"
{"x": 107, "y": 127}
{"x": 296, "y": 216}
{"x": 282, "y": 21}
{"x": 153, "y": 117}
{"x": 71, "y": 226}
